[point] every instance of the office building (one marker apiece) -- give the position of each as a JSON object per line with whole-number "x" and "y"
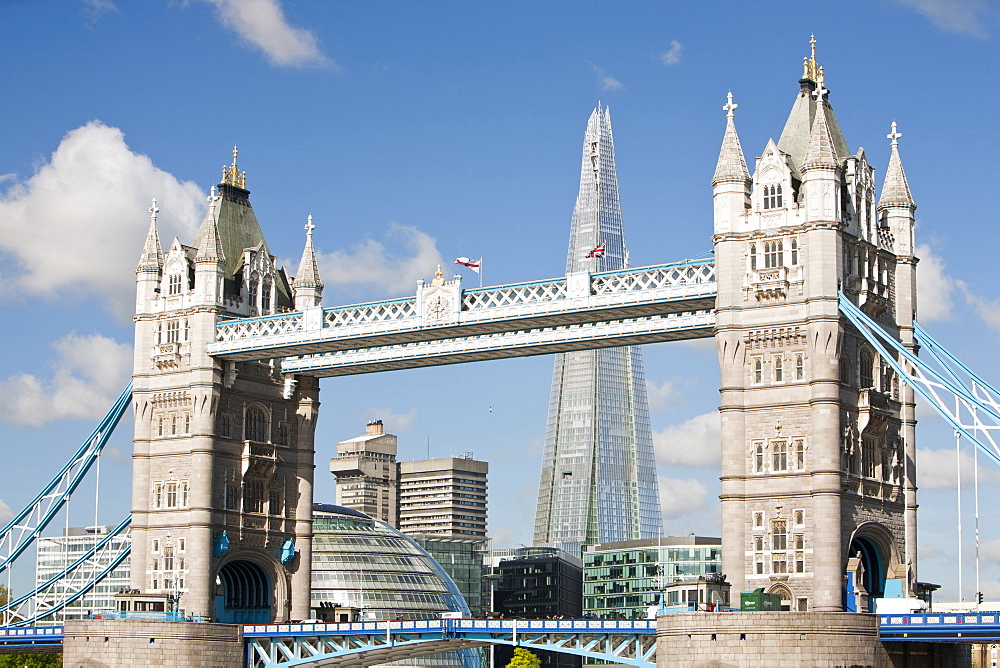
{"x": 622, "y": 580}
{"x": 367, "y": 474}
{"x": 598, "y": 480}
{"x": 443, "y": 497}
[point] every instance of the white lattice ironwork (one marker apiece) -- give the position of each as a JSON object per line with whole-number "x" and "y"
{"x": 540, "y": 341}
{"x": 575, "y": 300}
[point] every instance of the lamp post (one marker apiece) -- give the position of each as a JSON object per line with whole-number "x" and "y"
{"x": 492, "y": 577}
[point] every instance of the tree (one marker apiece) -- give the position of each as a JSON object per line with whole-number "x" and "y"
{"x": 524, "y": 659}
{"x": 30, "y": 660}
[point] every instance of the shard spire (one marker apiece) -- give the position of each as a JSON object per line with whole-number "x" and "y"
{"x": 896, "y": 189}
{"x": 598, "y": 480}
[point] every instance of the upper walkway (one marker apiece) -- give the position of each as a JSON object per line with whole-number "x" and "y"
{"x": 444, "y": 324}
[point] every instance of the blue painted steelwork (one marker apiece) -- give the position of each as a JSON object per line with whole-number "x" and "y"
{"x": 941, "y": 627}
{"x": 28, "y": 524}
{"x": 930, "y": 382}
{"x": 28, "y": 637}
{"x": 116, "y": 561}
{"x": 623, "y": 642}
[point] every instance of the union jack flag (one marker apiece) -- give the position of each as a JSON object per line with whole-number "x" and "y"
{"x": 596, "y": 252}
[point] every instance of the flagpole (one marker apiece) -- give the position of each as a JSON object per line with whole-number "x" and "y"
{"x": 480, "y": 272}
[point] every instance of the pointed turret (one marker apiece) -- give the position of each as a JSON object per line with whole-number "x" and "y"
{"x": 731, "y": 181}
{"x": 210, "y": 247}
{"x": 210, "y": 260}
{"x": 307, "y": 288}
{"x": 732, "y": 166}
{"x": 895, "y": 189}
{"x": 821, "y": 151}
{"x": 152, "y": 256}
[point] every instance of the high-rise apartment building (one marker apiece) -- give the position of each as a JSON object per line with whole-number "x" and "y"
{"x": 56, "y": 553}
{"x": 443, "y": 497}
{"x": 367, "y": 473}
{"x": 598, "y": 481}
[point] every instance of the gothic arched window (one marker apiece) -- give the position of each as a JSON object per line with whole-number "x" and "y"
{"x": 753, "y": 257}
{"x": 174, "y": 284}
{"x": 255, "y": 425}
{"x": 772, "y": 196}
{"x": 265, "y": 297}
{"x": 866, "y": 375}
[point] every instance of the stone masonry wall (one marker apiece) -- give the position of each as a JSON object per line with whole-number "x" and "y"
{"x": 112, "y": 643}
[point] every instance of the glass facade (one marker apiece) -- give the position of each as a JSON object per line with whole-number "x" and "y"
{"x": 621, "y": 581}
{"x": 598, "y": 480}
{"x": 463, "y": 560}
{"x": 55, "y": 553}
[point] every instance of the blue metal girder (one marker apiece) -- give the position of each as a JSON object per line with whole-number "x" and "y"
{"x": 27, "y": 637}
{"x": 941, "y": 627}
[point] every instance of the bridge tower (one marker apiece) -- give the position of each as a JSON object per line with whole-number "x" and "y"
{"x": 223, "y": 452}
{"x": 818, "y": 494}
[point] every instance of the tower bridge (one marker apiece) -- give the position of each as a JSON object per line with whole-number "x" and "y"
{"x": 810, "y": 297}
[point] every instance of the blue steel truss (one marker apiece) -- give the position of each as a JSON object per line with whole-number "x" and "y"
{"x": 622, "y": 642}
{"x": 974, "y": 627}
{"x": 72, "y": 582}
{"x": 28, "y": 524}
{"x": 961, "y": 397}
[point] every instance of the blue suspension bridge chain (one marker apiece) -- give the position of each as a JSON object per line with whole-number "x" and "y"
{"x": 957, "y": 394}
{"x": 73, "y": 581}
{"x": 28, "y": 524}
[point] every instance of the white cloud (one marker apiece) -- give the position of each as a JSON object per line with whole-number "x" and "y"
{"x": 958, "y": 16}
{"x": 94, "y": 9}
{"x": 935, "y": 288}
{"x": 665, "y": 397}
{"x": 88, "y": 375}
{"x": 988, "y": 310}
{"x": 682, "y": 496}
{"x": 392, "y": 422}
{"x": 672, "y": 56}
{"x": 606, "y": 81}
{"x": 6, "y": 514}
{"x": 937, "y": 469}
{"x": 76, "y": 227}
{"x": 262, "y": 24}
{"x": 697, "y": 442}
{"x": 372, "y": 266}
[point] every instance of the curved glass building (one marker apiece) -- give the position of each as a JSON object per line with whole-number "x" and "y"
{"x": 363, "y": 563}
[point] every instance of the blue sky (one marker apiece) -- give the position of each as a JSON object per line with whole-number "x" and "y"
{"x": 418, "y": 132}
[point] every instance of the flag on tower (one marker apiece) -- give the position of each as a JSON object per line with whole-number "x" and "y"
{"x": 474, "y": 265}
{"x": 598, "y": 251}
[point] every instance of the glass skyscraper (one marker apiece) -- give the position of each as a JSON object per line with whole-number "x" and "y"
{"x": 598, "y": 480}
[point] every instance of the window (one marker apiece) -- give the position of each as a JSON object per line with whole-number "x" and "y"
{"x": 779, "y": 535}
{"x": 265, "y": 297}
{"x": 845, "y": 369}
{"x": 793, "y": 246}
{"x": 779, "y": 371}
{"x": 868, "y": 458}
{"x": 800, "y": 541}
{"x": 779, "y": 456}
{"x": 758, "y": 543}
{"x": 159, "y": 431}
{"x": 253, "y": 496}
{"x": 187, "y": 423}
{"x": 772, "y": 196}
{"x": 274, "y": 502}
{"x": 758, "y": 369}
{"x": 773, "y": 254}
{"x": 802, "y": 604}
{"x": 232, "y": 496}
{"x": 759, "y": 564}
{"x": 225, "y": 426}
{"x": 157, "y": 497}
{"x": 800, "y": 562}
{"x": 184, "y": 502}
{"x": 255, "y": 428}
{"x": 173, "y": 330}
{"x": 753, "y": 257}
{"x": 252, "y": 292}
{"x": 171, "y": 495}
{"x": 779, "y": 563}
{"x": 800, "y": 517}
{"x": 174, "y": 284}
{"x": 800, "y": 366}
{"x": 800, "y": 454}
{"x": 866, "y": 370}
{"x": 156, "y": 548}
{"x": 758, "y": 520}
{"x": 173, "y": 425}
{"x": 168, "y": 558}
{"x": 281, "y": 434}
{"x": 182, "y": 543}
{"x": 758, "y": 457}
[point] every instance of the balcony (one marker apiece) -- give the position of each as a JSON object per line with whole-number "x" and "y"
{"x": 770, "y": 285}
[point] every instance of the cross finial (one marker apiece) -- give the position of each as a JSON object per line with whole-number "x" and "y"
{"x": 894, "y": 136}
{"x": 153, "y": 210}
{"x": 821, "y": 90}
{"x": 309, "y": 226}
{"x": 729, "y": 106}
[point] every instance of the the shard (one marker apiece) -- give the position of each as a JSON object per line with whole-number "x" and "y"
{"x": 598, "y": 481}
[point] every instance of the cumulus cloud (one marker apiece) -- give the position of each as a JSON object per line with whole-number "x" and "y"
{"x": 76, "y": 226}
{"x": 672, "y": 56}
{"x": 666, "y": 396}
{"x": 88, "y": 374}
{"x": 682, "y": 496}
{"x": 988, "y": 310}
{"x": 605, "y": 80}
{"x": 394, "y": 423}
{"x": 935, "y": 288}
{"x": 262, "y": 24}
{"x": 6, "y": 514}
{"x": 95, "y": 9}
{"x": 388, "y": 268}
{"x": 959, "y": 16}
{"x": 697, "y": 442}
{"x": 937, "y": 469}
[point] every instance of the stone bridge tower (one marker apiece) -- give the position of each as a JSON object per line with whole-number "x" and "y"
{"x": 223, "y": 453}
{"x": 818, "y": 495}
